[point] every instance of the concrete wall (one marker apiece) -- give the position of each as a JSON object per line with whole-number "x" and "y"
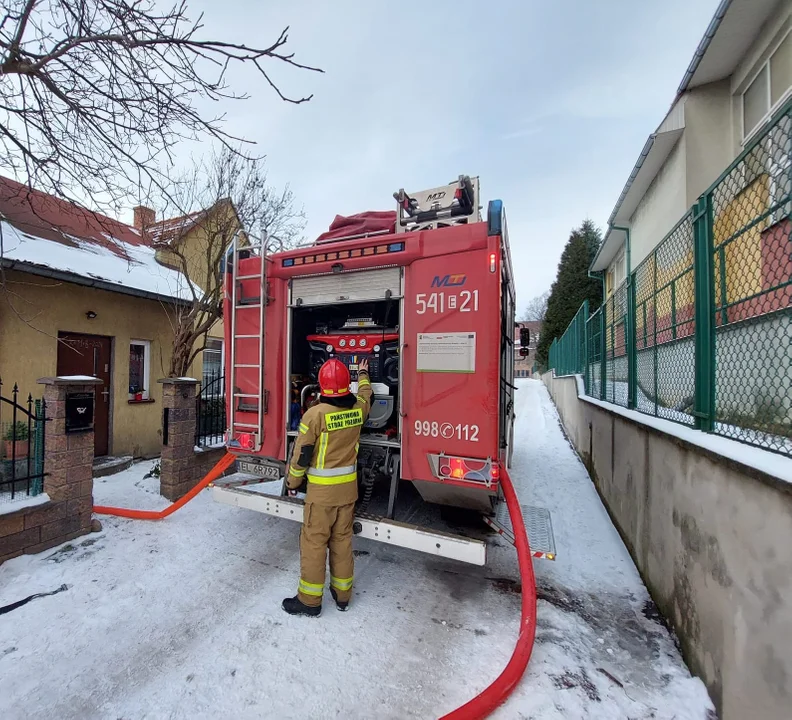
{"x": 661, "y": 207}
{"x": 711, "y": 539}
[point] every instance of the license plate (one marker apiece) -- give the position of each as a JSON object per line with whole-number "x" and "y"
{"x": 271, "y": 472}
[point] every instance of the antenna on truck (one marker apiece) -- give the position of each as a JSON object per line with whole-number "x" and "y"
{"x": 454, "y": 204}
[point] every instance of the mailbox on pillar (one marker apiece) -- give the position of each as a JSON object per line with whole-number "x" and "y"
{"x": 79, "y": 411}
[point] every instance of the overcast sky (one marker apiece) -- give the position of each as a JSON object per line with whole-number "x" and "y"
{"x": 549, "y": 102}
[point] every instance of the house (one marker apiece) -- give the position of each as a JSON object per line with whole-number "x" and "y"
{"x": 524, "y": 366}
{"x": 738, "y": 80}
{"x": 84, "y": 294}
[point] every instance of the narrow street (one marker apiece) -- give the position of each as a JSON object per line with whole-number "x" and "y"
{"x": 182, "y": 618}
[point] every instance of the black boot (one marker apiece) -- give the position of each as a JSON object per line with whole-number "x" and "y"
{"x": 295, "y": 606}
{"x": 342, "y": 606}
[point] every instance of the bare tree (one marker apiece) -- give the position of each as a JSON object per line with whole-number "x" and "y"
{"x": 227, "y": 200}
{"x": 96, "y": 94}
{"x": 536, "y": 308}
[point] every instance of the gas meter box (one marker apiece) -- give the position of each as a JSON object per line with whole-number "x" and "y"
{"x": 79, "y": 412}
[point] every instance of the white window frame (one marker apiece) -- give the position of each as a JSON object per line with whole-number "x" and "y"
{"x": 747, "y": 135}
{"x": 619, "y": 269}
{"x": 146, "y": 344}
{"x": 222, "y": 358}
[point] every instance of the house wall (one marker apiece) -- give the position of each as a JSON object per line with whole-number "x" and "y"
{"x": 708, "y": 134}
{"x": 28, "y": 350}
{"x": 709, "y": 537}
{"x": 661, "y": 207}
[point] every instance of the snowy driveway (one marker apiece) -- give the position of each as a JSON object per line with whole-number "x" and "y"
{"x": 182, "y": 618}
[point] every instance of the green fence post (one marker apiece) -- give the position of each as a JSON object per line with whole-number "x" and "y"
{"x": 584, "y": 364}
{"x": 632, "y": 355}
{"x": 603, "y": 349}
{"x": 703, "y": 273}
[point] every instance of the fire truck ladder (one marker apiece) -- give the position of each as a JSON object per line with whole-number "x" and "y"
{"x": 247, "y": 402}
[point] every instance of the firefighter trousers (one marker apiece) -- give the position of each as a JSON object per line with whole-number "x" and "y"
{"x": 326, "y": 526}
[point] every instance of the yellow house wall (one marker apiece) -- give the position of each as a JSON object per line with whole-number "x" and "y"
{"x": 29, "y": 351}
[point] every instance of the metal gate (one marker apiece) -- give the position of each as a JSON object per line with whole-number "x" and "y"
{"x": 22, "y": 429}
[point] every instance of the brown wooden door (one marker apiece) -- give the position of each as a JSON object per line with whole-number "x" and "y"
{"x": 90, "y": 355}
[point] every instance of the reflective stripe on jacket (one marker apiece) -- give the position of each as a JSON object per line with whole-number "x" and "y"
{"x": 333, "y": 432}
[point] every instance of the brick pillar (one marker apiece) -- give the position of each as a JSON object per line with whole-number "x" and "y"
{"x": 68, "y": 462}
{"x": 177, "y": 472}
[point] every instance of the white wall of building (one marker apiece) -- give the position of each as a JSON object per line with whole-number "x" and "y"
{"x": 661, "y": 207}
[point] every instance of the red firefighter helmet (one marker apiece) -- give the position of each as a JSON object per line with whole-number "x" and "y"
{"x": 334, "y": 378}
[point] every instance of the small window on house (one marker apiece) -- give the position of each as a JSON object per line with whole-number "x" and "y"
{"x": 213, "y": 363}
{"x": 781, "y": 71}
{"x": 769, "y": 88}
{"x": 139, "y": 369}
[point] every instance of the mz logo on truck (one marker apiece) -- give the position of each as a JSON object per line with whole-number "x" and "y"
{"x": 449, "y": 281}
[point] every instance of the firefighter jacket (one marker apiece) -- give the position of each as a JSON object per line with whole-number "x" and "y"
{"x": 327, "y": 446}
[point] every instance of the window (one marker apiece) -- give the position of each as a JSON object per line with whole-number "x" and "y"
{"x": 212, "y": 361}
{"x": 769, "y": 88}
{"x": 617, "y": 273}
{"x": 139, "y": 369}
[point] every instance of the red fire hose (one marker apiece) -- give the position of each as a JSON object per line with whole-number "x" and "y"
{"x": 224, "y": 463}
{"x": 494, "y": 695}
{"x": 500, "y": 689}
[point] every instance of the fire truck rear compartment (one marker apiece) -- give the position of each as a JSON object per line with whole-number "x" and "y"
{"x": 349, "y": 332}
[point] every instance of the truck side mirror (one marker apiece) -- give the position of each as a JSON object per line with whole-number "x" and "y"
{"x": 525, "y": 336}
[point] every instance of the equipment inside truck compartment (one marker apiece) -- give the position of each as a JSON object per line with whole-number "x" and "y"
{"x": 348, "y": 332}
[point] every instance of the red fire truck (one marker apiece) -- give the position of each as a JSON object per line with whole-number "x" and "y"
{"x": 426, "y": 294}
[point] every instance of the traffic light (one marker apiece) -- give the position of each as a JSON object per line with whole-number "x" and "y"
{"x": 525, "y": 337}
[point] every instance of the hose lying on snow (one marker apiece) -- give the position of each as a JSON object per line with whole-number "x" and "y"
{"x": 225, "y": 462}
{"x": 491, "y": 697}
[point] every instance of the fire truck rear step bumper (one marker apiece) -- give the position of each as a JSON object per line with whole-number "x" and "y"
{"x": 372, "y": 527}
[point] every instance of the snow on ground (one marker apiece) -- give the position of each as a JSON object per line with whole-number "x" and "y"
{"x": 181, "y": 618}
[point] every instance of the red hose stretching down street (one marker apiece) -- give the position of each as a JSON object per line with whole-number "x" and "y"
{"x": 500, "y": 689}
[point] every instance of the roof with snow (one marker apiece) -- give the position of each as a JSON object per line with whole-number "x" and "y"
{"x": 47, "y": 236}
{"x": 166, "y": 231}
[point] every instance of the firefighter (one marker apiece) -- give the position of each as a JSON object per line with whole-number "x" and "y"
{"x": 325, "y": 455}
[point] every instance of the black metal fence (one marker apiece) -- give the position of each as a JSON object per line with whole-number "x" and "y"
{"x": 210, "y": 421}
{"x": 22, "y": 429}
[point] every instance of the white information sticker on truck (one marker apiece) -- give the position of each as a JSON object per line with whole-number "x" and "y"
{"x": 447, "y": 352}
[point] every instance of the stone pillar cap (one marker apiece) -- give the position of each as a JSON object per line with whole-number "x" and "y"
{"x": 178, "y": 381}
{"x": 70, "y": 380}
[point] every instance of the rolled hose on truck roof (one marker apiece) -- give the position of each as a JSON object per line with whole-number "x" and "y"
{"x": 499, "y": 690}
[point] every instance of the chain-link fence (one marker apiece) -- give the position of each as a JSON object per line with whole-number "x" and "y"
{"x": 594, "y": 367}
{"x": 615, "y": 342}
{"x": 752, "y": 292}
{"x": 568, "y": 353}
{"x": 665, "y": 327}
{"x": 701, "y": 331}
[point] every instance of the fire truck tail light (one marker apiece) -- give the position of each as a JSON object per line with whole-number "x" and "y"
{"x": 493, "y": 257}
{"x": 459, "y": 468}
{"x": 246, "y": 441}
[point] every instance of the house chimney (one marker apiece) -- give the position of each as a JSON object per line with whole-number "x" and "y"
{"x": 143, "y": 217}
